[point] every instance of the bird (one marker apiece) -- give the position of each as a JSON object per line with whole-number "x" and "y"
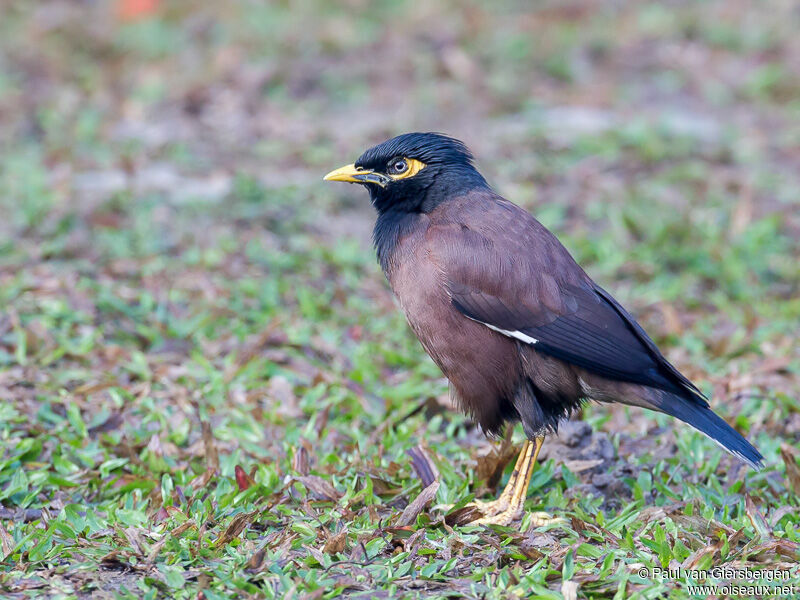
{"x": 518, "y": 328}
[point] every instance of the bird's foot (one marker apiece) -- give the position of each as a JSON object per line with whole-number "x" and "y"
{"x": 504, "y": 517}
{"x": 509, "y": 507}
{"x": 491, "y": 508}
{"x": 512, "y": 514}
{"x": 478, "y": 510}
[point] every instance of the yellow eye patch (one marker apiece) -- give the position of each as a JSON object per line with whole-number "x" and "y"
{"x": 412, "y": 167}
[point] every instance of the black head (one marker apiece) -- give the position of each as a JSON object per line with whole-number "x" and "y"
{"x": 413, "y": 172}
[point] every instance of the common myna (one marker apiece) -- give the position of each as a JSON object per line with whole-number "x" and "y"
{"x": 519, "y": 329}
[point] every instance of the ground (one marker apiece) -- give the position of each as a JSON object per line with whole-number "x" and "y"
{"x": 207, "y": 389}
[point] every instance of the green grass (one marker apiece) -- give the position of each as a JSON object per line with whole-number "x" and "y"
{"x": 205, "y": 384}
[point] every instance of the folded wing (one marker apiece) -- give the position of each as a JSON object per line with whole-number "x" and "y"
{"x": 517, "y": 279}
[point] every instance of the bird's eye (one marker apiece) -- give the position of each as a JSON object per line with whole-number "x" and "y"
{"x": 399, "y": 166}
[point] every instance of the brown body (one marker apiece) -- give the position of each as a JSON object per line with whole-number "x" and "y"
{"x": 519, "y": 329}
{"x": 490, "y": 373}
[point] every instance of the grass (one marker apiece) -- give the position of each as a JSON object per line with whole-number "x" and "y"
{"x": 207, "y": 390}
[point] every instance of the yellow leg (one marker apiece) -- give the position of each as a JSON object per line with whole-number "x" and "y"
{"x": 497, "y": 506}
{"x": 514, "y": 508}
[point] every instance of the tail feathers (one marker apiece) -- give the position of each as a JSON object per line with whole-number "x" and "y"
{"x": 701, "y": 417}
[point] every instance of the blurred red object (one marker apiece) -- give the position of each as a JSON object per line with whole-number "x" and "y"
{"x": 131, "y": 10}
{"x": 243, "y": 480}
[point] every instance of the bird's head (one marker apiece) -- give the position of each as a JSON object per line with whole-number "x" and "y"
{"x": 413, "y": 172}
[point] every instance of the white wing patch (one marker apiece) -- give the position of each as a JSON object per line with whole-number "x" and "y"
{"x": 514, "y": 334}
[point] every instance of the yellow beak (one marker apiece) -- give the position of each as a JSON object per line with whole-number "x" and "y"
{"x": 346, "y": 173}
{"x": 352, "y": 174}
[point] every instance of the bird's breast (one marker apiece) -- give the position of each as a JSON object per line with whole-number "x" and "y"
{"x": 480, "y": 363}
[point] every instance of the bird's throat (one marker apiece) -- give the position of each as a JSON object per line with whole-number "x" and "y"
{"x": 390, "y": 228}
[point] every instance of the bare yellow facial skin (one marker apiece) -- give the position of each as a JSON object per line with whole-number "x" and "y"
{"x": 400, "y": 168}
{"x": 414, "y": 167}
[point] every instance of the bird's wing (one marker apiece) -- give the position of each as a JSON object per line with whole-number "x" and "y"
{"x": 508, "y": 272}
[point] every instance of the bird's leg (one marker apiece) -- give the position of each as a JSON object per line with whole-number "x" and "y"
{"x": 523, "y": 468}
{"x": 497, "y": 506}
{"x": 516, "y": 502}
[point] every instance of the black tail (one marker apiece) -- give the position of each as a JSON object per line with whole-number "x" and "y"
{"x": 700, "y": 416}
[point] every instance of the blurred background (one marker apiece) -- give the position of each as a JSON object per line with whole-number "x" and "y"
{"x": 170, "y": 255}
{"x": 168, "y": 148}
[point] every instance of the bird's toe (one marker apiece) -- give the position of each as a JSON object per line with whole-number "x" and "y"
{"x": 503, "y": 518}
{"x": 541, "y": 519}
{"x": 475, "y": 511}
